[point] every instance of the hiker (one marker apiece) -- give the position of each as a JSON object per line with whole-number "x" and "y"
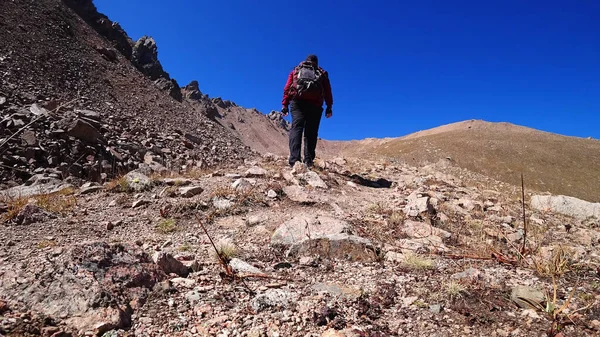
{"x": 306, "y": 88}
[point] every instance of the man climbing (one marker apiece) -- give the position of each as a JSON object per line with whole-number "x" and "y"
{"x": 306, "y": 88}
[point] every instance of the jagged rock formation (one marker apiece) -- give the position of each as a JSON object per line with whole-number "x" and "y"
{"x": 72, "y": 105}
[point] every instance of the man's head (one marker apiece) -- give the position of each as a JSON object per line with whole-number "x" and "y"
{"x": 313, "y": 59}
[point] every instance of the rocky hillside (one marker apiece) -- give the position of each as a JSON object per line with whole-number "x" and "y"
{"x": 78, "y": 98}
{"x": 550, "y": 162}
{"x": 353, "y": 248}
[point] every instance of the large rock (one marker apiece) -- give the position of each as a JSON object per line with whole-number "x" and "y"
{"x": 138, "y": 181}
{"x": 305, "y": 226}
{"x": 190, "y": 191}
{"x": 83, "y": 130}
{"x": 298, "y": 194}
{"x": 527, "y": 297}
{"x": 312, "y": 178}
{"x": 37, "y": 184}
{"x": 32, "y": 214}
{"x": 566, "y": 205}
{"x": 323, "y": 236}
{"x": 95, "y": 287}
{"x": 145, "y": 58}
{"x": 423, "y": 237}
{"x": 169, "y": 264}
{"x": 416, "y": 204}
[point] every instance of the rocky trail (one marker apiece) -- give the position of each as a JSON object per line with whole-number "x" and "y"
{"x": 351, "y": 248}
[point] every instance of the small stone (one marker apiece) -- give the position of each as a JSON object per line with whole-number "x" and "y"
{"x": 243, "y": 184}
{"x": 408, "y": 301}
{"x": 222, "y": 203}
{"x": 256, "y": 171}
{"x": 241, "y": 266}
{"x": 524, "y": 295}
{"x": 190, "y": 191}
{"x": 139, "y": 203}
{"x": 272, "y": 298}
{"x": 109, "y": 226}
{"x": 435, "y": 308}
{"x": 272, "y": 194}
{"x": 180, "y": 282}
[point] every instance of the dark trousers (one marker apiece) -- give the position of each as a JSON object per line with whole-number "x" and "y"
{"x": 306, "y": 118}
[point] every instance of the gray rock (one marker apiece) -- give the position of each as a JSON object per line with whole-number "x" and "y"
{"x": 306, "y": 234}
{"x": 137, "y": 181}
{"x": 2, "y": 100}
{"x": 298, "y": 194}
{"x": 415, "y": 229}
{"x": 272, "y": 299}
{"x": 416, "y": 205}
{"x": 313, "y": 179}
{"x": 36, "y": 185}
{"x": 566, "y": 205}
{"x": 435, "y": 308}
{"x": 305, "y": 226}
{"x": 190, "y": 191}
{"x": 222, "y": 203}
{"x": 32, "y": 214}
{"x": 336, "y": 246}
{"x": 272, "y": 194}
{"x": 243, "y": 184}
{"x": 241, "y": 266}
{"x": 526, "y": 297}
{"x": 256, "y": 171}
{"x": 169, "y": 264}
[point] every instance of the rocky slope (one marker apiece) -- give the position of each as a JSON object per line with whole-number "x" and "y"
{"x": 550, "y": 162}
{"x": 354, "y": 248}
{"x": 79, "y": 98}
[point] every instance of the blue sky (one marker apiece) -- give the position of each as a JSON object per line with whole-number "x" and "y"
{"x": 396, "y": 67}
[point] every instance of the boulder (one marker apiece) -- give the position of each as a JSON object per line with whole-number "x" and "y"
{"x": 324, "y": 236}
{"x": 94, "y": 287}
{"x": 256, "y": 171}
{"x": 84, "y": 131}
{"x": 36, "y": 185}
{"x": 298, "y": 194}
{"x": 32, "y": 214}
{"x": 566, "y": 205}
{"x": 137, "y": 181}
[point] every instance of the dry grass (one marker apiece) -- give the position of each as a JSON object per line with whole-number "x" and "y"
{"x": 454, "y": 290}
{"x": 556, "y": 264}
{"x": 166, "y": 226}
{"x": 61, "y": 202}
{"x": 417, "y": 262}
{"x": 118, "y": 184}
{"x": 549, "y": 162}
{"x": 225, "y": 249}
{"x": 45, "y": 244}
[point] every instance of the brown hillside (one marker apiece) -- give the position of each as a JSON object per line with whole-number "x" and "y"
{"x": 549, "y": 162}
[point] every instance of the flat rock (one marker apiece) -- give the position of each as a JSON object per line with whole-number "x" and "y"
{"x": 36, "y": 185}
{"x": 241, "y": 266}
{"x": 272, "y": 299}
{"x": 138, "y": 181}
{"x": 336, "y": 246}
{"x": 313, "y": 179}
{"x": 139, "y": 203}
{"x": 305, "y": 226}
{"x": 566, "y": 205}
{"x": 169, "y": 264}
{"x": 190, "y": 191}
{"x": 177, "y": 181}
{"x": 83, "y": 130}
{"x": 337, "y": 290}
{"x": 524, "y": 295}
{"x": 256, "y": 171}
{"x": 298, "y": 194}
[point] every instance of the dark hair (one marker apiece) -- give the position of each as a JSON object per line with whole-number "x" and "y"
{"x": 312, "y": 58}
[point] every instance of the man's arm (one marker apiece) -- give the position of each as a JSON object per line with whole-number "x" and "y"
{"x": 286, "y": 90}
{"x": 327, "y": 91}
